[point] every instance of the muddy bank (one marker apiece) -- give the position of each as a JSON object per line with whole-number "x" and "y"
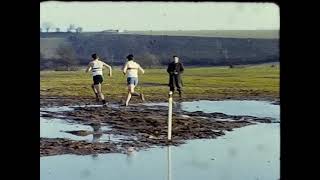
{"x": 56, "y": 146}
{"x": 49, "y": 101}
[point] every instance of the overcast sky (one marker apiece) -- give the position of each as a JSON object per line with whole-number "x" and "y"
{"x": 97, "y": 16}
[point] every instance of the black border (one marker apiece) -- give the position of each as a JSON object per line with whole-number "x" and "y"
{"x": 21, "y": 142}
{"x": 20, "y": 83}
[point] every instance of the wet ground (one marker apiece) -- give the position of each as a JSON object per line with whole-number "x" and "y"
{"x": 248, "y": 153}
{"x": 140, "y": 126}
{"x": 209, "y": 143}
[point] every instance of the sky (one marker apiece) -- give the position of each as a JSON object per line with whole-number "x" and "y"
{"x": 98, "y": 16}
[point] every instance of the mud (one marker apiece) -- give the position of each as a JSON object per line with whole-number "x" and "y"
{"x": 58, "y": 146}
{"x": 147, "y": 124}
{"x": 49, "y": 101}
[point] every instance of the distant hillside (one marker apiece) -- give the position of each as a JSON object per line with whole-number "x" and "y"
{"x": 258, "y": 34}
{"x": 193, "y": 50}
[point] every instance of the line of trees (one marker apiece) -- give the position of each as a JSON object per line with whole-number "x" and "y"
{"x": 47, "y": 26}
{"x": 66, "y": 60}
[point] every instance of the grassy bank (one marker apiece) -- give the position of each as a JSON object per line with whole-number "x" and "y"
{"x": 199, "y": 83}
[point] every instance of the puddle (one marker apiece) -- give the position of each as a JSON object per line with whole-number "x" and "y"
{"x": 248, "y": 153}
{"x": 259, "y": 109}
{"x": 71, "y": 108}
{"x": 54, "y": 128}
{"x": 57, "y": 109}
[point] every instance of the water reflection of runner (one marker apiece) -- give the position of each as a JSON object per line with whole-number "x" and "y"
{"x": 96, "y": 132}
{"x": 177, "y": 106}
{"x": 130, "y": 155}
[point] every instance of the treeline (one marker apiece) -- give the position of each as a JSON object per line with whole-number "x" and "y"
{"x": 67, "y": 59}
{"x": 158, "y": 50}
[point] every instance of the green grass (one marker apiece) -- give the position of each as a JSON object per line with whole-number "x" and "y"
{"x": 208, "y": 82}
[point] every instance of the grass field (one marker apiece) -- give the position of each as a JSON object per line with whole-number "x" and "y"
{"x": 199, "y": 83}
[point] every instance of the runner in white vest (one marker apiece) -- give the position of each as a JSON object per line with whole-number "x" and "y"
{"x": 131, "y": 70}
{"x": 96, "y": 66}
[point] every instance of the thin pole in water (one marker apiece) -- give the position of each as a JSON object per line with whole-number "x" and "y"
{"x": 170, "y": 116}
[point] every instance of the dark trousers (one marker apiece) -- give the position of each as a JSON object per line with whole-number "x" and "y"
{"x": 175, "y": 82}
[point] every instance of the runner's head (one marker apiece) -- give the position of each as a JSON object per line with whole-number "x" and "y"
{"x": 130, "y": 57}
{"x": 175, "y": 59}
{"x": 94, "y": 56}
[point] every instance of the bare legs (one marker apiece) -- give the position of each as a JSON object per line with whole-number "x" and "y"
{"x": 97, "y": 90}
{"x": 132, "y": 93}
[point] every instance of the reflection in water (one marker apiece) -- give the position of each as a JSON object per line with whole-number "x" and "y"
{"x": 130, "y": 158}
{"x": 130, "y": 155}
{"x": 177, "y": 106}
{"x": 169, "y": 162}
{"x": 95, "y": 156}
{"x": 247, "y": 153}
{"x": 96, "y": 132}
{"x": 250, "y": 152}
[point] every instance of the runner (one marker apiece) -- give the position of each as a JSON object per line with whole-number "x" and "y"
{"x": 131, "y": 70}
{"x": 97, "y": 72}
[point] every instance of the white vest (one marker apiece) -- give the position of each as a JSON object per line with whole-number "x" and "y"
{"x": 97, "y": 67}
{"x": 132, "y": 69}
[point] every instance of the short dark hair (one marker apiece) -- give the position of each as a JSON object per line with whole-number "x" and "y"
{"x": 94, "y": 56}
{"x": 130, "y": 57}
{"x": 175, "y": 56}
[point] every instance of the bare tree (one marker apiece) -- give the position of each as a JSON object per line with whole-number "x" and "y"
{"x": 148, "y": 60}
{"x": 79, "y": 29}
{"x": 40, "y": 29}
{"x": 57, "y": 29}
{"x": 47, "y": 26}
{"x": 71, "y": 27}
{"x": 67, "y": 55}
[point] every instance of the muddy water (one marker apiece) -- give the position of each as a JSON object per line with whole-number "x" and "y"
{"x": 231, "y": 107}
{"x": 55, "y": 128}
{"x": 246, "y": 153}
{"x": 251, "y": 108}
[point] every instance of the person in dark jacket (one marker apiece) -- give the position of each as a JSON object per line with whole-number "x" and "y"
{"x": 175, "y": 69}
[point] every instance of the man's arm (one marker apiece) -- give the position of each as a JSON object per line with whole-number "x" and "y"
{"x": 140, "y": 68}
{"x": 89, "y": 67}
{"x": 169, "y": 69}
{"x": 109, "y": 67}
{"x": 124, "y": 69}
{"x": 181, "y": 68}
